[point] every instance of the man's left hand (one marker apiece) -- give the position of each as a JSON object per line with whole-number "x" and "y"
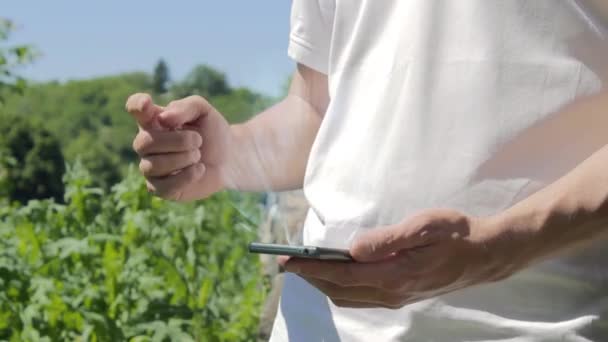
{"x": 430, "y": 254}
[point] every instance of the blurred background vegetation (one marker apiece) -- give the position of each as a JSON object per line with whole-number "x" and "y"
{"x": 85, "y": 253}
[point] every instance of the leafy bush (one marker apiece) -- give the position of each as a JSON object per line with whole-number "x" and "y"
{"x": 124, "y": 265}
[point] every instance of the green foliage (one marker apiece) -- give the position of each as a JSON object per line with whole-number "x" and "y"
{"x": 160, "y": 77}
{"x": 12, "y": 57}
{"x": 102, "y": 260}
{"x": 203, "y": 80}
{"x": 123, "y": 265}
{"x": 31, "y": 162}
{"x": 89, "y": 119}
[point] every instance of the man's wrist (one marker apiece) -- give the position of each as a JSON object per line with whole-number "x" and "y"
{"x": 542, "y": 226}
{"x": 235, "y": 155}
{"x": 516, "y": 236}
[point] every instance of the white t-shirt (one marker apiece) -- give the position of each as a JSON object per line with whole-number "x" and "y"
{"x": 449, "y": 104}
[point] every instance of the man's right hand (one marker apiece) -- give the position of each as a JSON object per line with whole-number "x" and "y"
{"x": 183, "y": 147}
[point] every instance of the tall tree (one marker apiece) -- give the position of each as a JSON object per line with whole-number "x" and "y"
{"x": 203, "y": 80}
{"x": 161, "y": 77}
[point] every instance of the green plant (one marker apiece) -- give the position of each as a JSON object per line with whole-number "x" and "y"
{"x": 123, "y": 265}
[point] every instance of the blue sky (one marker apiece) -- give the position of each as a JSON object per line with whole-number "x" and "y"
{"x": 81, "y": 39}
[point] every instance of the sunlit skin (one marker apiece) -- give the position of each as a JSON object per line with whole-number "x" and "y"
{"x": 188, "y": 151}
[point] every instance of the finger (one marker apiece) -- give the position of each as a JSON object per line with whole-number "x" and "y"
{"x": 187, "y": 110}
{"x": 173, "y": 187}
{"x": 341, "y": 273}
{"x": 418, "y": 231}
{"x": 155, "y": 142}
{"x": 361, "y": 294}
{"x": 159, "y": 165}
{"x": 144, "y": 111}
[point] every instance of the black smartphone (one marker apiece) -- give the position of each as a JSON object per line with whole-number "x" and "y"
{"x": 309, "y": 252}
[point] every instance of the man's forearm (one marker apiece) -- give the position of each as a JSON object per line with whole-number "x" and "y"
{"x": 569, "y": 212}
{"x": 271, "y": 150}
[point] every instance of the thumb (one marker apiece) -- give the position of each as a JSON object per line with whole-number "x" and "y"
{"x": 184, "y": 111}
{"x": 382, "y": 243}
{"x": 144, "y": 111}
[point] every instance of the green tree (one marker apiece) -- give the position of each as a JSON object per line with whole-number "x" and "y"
{"x": 203, "y": 80}
{"x": 11, "y": 57}
{"x": 89, "y": 119}
{"x": 161, "y": 77}
{"x": 31, "y": 162}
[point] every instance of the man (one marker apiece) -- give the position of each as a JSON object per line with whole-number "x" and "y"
{"x": 458, "y": 148}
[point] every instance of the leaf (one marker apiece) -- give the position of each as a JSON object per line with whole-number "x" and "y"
{"x": 28, "y": 243}
{"x": 204, "y": 293}
{"x": 65, "y": 247}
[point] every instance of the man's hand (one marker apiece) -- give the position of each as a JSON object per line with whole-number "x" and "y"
{"x": 431, "y": 254}
{"x": 182, "y": 147}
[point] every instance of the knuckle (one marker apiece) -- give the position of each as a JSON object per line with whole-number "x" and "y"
{"x": 197, "y": 99}
{"x": 190, "y": 139}
{"x": 199, "y": 102}
{"x": 136, "y": 145}
{"x": 142, "y": 142}
{"x": 194, "y": 156}
{"x": 146, "y": 167}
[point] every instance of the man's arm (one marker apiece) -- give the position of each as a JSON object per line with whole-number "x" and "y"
{"x": 189, "y": 151}
{"x": 439, "y": 251}
{"x": 569, "y": 212}
{"x": 271, "y": 150}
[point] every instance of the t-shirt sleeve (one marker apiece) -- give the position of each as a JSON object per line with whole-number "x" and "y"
{"x": 310, "y": 33}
